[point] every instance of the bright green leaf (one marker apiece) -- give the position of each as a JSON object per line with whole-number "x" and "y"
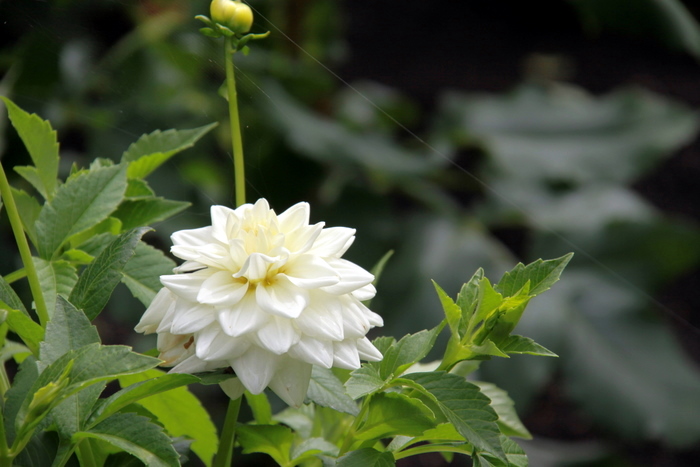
{"x": 28, "y": 330}
{"x": 15, "y": 396}
{"x": 78, "y": 205}
{"x": 136, "y": 189}
{"x": 10, "y": 298}
{"x": 541, "y": 274}
{"x": 41, "y": 143}
{"x": 137, "y": 436}
{"x": 407, "y": 351}
{"x": 453, "y": 314}
{"x": 309, "y": 448}
{"x": 150, "y": 151}
{"x": 100, "y": 277}
{"x": 260, "y": 406}
{"x": 468, "y": 297}
{"x": 524, "y": 345}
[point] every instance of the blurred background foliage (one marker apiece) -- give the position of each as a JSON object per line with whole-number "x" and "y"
{"x": 460, "y": 135}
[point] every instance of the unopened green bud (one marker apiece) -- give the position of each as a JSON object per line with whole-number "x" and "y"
{"x": 235, "y": 15}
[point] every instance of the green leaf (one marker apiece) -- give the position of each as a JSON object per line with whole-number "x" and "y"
{"x": 464, "y": 405}
{"x": 514, "y": 453}
{"x": 410, "y": 349}
{"x": 489, "y": 300}
{"x": 309, "y": 448}
{"x": 79, "y": 204}
{"x": 524, "y": 345}
{"x": 10, "y": 298}
{"x": 23, "y": 382}
{"x": 138, "y": 391}
{"x": 392, "y": 414}
{"x": 111, "y": 225}
{"x": 57, "y": 278}
{"x": 150, "y": 151}
{"x": 468, "y": 298}
{"x": 137, "y": 436}
{"x": 146, "y": 211}
{"x": 508, "y": 419}
{"x": 180, "y": 412}
{"x": 69, "y": 329}
{"x": 100, "y": 277}
{"x": 366, "y": 457}
{"x": 453, "y": 314}
{"x": 541, "y": 275}
{"x": 273, "y": 440}
{"x": 41, "y": 143}
{"x": 326, "y": 390}
{"x": 15, "y": 350}
{"x": 365, "y": 380}
{"x": 142, "y": 272}
{"x": 136, "y": 189}
{"x": 29, "y": 209}
{"x": 29, "y": 331}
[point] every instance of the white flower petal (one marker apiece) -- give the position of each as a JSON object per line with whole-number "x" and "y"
{"x": 256, "y": 266}
{"x": 232, "y": 387}
{"x": 193, "y": 238}
{"x": 314, "y": 351}
{"x": 223, "y": 223}
{"x": 365, "y": 293}
{"x": 355, "y": 323}
{"x": 189, "y": 266}
{"x": 244, "y": 317}
{"x": 368, "y": 351}
{"x": 278, "y": 335}
{"x": 310, "y": 272}
{"x": 322, "y": 318}
{"x": 196, "y": 365}
{"x": 281, "y": 297}
{"x": 222, "y": 289}
{"x": 295, "y": 217}
{"x": 255, "y": 368}
{"x": 333, "y": 242}
{"x": 302, "y": 239}
{"x": 352, "y": 277}
{"x": 345, "y": 355}
{"x": 186, "y": 285}
{"x": 291, "y": 382}
{"x": 191, "y": 317}
{"x": 174, "y": 348}
{"x": 213, "y": 344}
{"x": 155, "y": 312}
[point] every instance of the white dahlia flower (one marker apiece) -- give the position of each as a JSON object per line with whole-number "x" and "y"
{"x": 268, "y": 296}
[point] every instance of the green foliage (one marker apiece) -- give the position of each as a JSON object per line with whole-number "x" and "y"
{"x": 41, "y": 143}
{"x": 178, "y": 410}
{"x": 151, "y": 151}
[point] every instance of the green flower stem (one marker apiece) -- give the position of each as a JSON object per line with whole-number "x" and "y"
{"x": 236, "y": 139}
{"x": 350, "y": 435}
{"x": 23, "y": 247}
{"x": 85, "y": 454}
{"x": 228, "y": 435}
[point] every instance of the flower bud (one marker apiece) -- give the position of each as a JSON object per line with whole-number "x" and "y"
{"x": 235, "y": 15}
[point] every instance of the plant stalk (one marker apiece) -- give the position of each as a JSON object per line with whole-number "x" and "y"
{"x": 224, "y": 455}
{"x": 236, "y": 139}
{"x": 23, "y": 246}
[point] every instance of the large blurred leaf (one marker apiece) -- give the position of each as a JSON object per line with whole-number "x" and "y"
{"x": 562, "y": 134}
{"x": 328, "y": 141}
{"x": 667, "y": 21}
